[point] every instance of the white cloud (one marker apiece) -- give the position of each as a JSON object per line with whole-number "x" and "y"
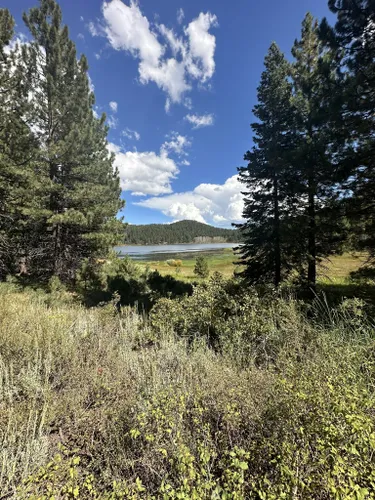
{"x": 188, "y": 103}
{"x": 93, "y": 29}
{"x": 81, "y": 36}
{"x": 97, "y": 55}
{"x": 216, "y": 203}
{"x": 202, "y": 46}
{"x": 114, "y": 106}
{"x": 199, "y": 121}
{"x": 169, "y": 75}
{"x": 180, "y": 15}
{"x": 176, "y": 44}
{"x": 144, "y": 173}
{"x": 129, "y": 30}
{"x": 176, "y": 144}
{"x": 91, "y": 85}
{"x": 131, "y": 134}
{"x": 82, "y": 18}
{"x": 112, "y": 121}
{"x": 167, "y": 106}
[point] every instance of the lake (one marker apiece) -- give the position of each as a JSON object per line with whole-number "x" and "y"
{"x": 164, "y": 252}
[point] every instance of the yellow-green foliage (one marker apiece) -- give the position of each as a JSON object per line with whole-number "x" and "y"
{"x": 97, "y": 404}
{"x": 174, "y": 263}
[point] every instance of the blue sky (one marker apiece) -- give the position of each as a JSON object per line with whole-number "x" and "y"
{"x": 178, "y": 79}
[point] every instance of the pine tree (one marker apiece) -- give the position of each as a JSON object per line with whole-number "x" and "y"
{"x": 81, "y": 195}
{"x": 317, "y": 146}
{"x": 354, "y": 35}
{"x": 201, "y": 267}
{"x": 269, "y": 196}
{"x": 7, "y": 24}
{"x": 16, "y": 148}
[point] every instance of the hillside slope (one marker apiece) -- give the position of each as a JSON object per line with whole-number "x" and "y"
{"x": 186, "y": 231}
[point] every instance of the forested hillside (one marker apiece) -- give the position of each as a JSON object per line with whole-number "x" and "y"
{"x": 187, "y": 231}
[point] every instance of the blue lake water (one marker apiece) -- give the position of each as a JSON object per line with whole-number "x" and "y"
{"x": 162, "y": 252}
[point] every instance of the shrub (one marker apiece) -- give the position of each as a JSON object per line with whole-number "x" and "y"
{"x": 113, "y": 406}
{"x": 201, "y": 267}
{"x": 174, "y": 263}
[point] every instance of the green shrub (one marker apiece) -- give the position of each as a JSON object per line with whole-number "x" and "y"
{"x": 201, "y": 267}
{"x": 174, "y": 263}
{"x": 225, "y": 393}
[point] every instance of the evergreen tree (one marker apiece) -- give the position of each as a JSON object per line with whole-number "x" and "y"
{"x": 354, "y": 35}
{"x": 81, "y": 192}
{"x": 16, "y": 147}
{"x": 269, "y": 197}
{"x": 201, "y": 267}
{"x": 317, "y": 146}
{"x": 6, "y": 30}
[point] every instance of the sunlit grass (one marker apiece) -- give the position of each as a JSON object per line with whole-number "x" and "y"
{"x": 338, "y": 268}
{"x": 334, "y": 270}
{"x": 223, "y": 262}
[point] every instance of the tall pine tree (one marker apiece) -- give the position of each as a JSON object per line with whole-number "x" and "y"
{"x": 16, "y": 148}
{"x": 81, "y": 192}
{"x": 269, "y": 199}
{"x": 354, "y": 35}
{"x": 316, "y": 149}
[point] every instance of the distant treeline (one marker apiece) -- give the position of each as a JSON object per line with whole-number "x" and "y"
{"x": 187, "y": 231}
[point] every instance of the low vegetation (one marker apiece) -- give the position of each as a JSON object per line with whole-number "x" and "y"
{"x": 223, "y": 394}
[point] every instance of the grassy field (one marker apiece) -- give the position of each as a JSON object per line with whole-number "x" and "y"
{"x": 222, "y": 262}
{"x": 335, "y": 270}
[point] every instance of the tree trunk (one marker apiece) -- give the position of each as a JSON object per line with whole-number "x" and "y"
{"x": 57, "y": 261}
{"x": 311, "y": 274}
{"x": 277, "y": 233}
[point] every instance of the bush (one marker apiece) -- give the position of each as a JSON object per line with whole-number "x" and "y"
{"x": 225, "y": 393}
{"x": 99, "y": 281}
{"x": 174, "y": 263}
{"x": 201, "y": 267}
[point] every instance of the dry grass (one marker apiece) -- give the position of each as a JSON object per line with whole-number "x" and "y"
{"x": 339, "y": 267}
{"x": 138, "y": 403}
{"x": 335, "y": 269}
{"x": 223, "y": 262}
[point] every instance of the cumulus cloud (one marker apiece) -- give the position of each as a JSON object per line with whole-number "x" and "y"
{"x": 202, "y": 46}
{"x": 127, "y": 29}
{"x": 131, "y": 134}
{"x": 199, "y": 121}
{"x": 114, "y": 106}
{"x": 177, "y": 144}
{"x": 169, "y": 76}
{"x": 221, "y": 204}
{"x": 150, "y": 173}
{"x": 144, "y": 173}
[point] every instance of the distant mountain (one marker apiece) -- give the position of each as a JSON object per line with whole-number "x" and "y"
{"x": 186, "y": 231}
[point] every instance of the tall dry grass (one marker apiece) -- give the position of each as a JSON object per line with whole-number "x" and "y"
{"x": 166, "y": 416}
